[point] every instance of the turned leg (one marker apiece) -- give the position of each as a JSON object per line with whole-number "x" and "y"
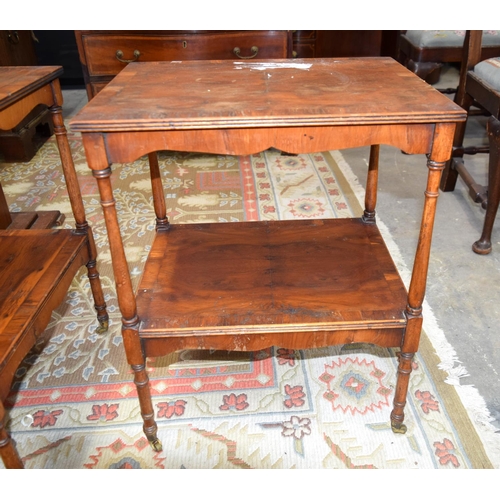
{"x": 158, "y": 194}
{"x": 8, "y": 452}
{"x": 408, "y": 350}
{"x": 371, "y": 186}
{"x": 441, "y": 148}
{"x": 137, "y": 361}
{"x": 483, "y": 245}
{"x": 128, "y": 306}
{"x": 78, "y": 210}
{"x": 403, "y": 380}
{"x": 96, "y": 286}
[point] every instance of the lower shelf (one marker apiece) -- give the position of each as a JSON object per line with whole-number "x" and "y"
{"x": 280, "y": 282}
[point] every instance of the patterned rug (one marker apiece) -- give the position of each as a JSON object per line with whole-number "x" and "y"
{"x": 73, "y": 403}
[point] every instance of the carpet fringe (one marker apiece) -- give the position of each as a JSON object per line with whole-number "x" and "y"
{"x": 472, "y": 401}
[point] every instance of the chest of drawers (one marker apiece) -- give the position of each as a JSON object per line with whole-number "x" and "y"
{"x": 104, "y": 54}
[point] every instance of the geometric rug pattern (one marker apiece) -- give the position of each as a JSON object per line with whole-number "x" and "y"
{"x": 73, "y": 403}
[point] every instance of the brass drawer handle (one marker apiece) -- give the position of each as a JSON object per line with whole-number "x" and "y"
{"x": 254, "y": 50}
{"x": 119, "y": 56}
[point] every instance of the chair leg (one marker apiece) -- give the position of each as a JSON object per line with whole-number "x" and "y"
{"x": 483, "y": 245}
{"x": 8, "y": 452}
{"x": 428, "y": 71}
{"x": 450, "y": 174}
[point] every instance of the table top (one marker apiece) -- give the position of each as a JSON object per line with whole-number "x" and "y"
{"x": 17, "y": 82}
{"x": 183, "y": 95}
{"x": 32, "y": 263}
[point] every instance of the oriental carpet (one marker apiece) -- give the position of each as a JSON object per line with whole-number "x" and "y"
{"x": 73, "y": 403}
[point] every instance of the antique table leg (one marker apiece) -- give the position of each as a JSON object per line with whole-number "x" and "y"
{"x": 128, "y": 308}
{"x": 78, "y": 209}
{"x": 158, "y": 193}
{"x": 436, "y": 162}
{"x": 371, "y": 186}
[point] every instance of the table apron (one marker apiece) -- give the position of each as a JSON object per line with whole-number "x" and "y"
{"x": 15, "y": 113}
{"x": 125, "y": 147}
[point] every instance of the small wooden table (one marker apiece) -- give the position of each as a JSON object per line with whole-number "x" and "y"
{"x": 22, "y": 89}
{"x": 248, "y": 286}
{"x": 38, "y": 264}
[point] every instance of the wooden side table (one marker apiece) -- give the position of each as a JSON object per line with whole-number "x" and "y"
{"x": 38, "y": 265}
{"x": 22, "y": 90}
{"x": 249, "y": 286}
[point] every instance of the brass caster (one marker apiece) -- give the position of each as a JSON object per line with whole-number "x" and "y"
{"x": 156, "y": 444}
{"x": 398, "y": 428}
{"x": 103, "y": 327}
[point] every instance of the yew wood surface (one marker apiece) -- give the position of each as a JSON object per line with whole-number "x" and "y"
{"x": 287, "y": 283}
{"x": 247, "y": 286}
{"x": 276, "y": 93}
{"x": 264, "y": 276}
{"x": 36, "y": 267}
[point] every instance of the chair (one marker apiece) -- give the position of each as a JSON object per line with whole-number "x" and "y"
{"x": 424, "y": 51}
{"x": 479, "y": 85}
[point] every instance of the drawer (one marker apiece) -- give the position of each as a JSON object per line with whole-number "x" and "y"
{"x": 106, "y": 55}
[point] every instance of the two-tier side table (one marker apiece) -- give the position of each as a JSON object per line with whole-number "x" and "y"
{"x": 252, "y": 285}
{"x": 37, "y": 263}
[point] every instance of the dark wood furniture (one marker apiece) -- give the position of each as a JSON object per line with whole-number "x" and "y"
{"x": 17, "y": 48}
{"x": 99, "y": 51}
{"x": 475, "y": 90}
{"x": 58, "y": 47}
{"x": 104, "y": 53}
{"x": 38, "y": 265}
{"x": 345, "y": 43}
{"x": 22, "y": 141}
{"x": 426, "y": 59}
{"x": 23, "y": 91}
{"x": 248, "y": 286}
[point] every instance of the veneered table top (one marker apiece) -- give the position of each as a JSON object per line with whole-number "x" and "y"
{"x": 180, "y": 95}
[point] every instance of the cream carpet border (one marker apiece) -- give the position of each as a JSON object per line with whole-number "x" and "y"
{"x": 472, "y": 401}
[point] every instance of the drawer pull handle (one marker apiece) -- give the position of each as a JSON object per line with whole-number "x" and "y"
{"x": 119, "y": 56}
{"x": 254, "y": 50}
